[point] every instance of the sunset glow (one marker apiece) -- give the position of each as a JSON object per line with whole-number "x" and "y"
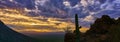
{"x": 24, "y": 23}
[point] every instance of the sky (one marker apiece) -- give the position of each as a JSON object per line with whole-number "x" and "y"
{"x": 54, "y": 15}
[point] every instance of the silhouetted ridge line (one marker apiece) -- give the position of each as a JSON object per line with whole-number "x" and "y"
{"x": 9, "y": 35}
{"x": 104, "y": 29}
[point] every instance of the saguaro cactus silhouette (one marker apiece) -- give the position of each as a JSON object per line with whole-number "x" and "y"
{"x": 77, "y": 32}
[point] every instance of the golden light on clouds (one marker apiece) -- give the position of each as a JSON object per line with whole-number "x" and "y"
{"x": 22, "y": 23}
{"x": 15, "y": 18}
{"x": 37, "y": 30}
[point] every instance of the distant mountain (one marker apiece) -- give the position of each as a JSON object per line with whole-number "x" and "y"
{"x": 9, "y": 35}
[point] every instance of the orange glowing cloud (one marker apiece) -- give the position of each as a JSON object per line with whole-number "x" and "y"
{"x": 21, "y": 22}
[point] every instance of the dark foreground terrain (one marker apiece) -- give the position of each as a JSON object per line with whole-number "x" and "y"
{"x": 104, "y": 29}
{"x": 49, "y": 37}
{"x": 9, "y": 35}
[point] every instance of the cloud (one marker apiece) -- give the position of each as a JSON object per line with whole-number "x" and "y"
{"x": 67, "y": 4}
{"x": 89, "y": 18}
{"x": 20, "y": 22}
{"x": 72, "y": 4}
{"x": 40, "y": 2}
{"x": 11, "y": 0}
{"x": 84, "y": 3}
{"x": 50, "y": 15}
{"x": 111, "y": 5}
{"x": 116, "y": 1}
{"x": 106, "y": 6}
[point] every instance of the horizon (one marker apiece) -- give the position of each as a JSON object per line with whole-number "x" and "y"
{"x": 59, "y": 20}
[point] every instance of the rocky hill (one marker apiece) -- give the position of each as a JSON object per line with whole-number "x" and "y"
{"x": 104, "y": 29}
